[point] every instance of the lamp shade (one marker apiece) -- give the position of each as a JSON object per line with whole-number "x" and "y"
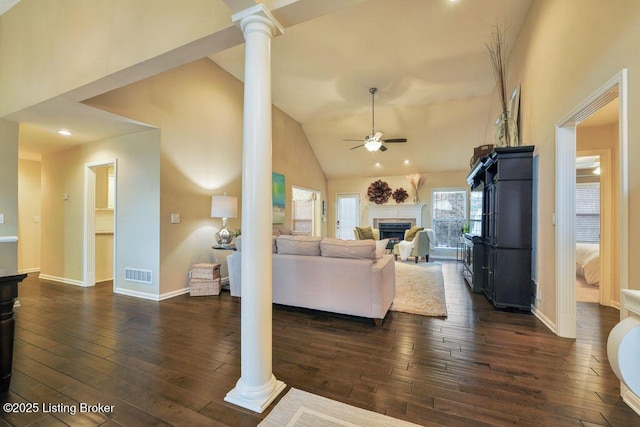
{"x": 224, "y": 206}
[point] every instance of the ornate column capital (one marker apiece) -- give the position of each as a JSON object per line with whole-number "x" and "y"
{"x": 257, "y": 18}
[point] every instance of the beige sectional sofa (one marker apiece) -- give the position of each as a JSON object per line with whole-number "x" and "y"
{"x": 340, "y": 276}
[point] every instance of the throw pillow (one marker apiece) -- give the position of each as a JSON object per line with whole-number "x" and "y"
{"x": 365, "y": 233}
{"x": 381, "y": 246}
{"x": 411, "y": 234}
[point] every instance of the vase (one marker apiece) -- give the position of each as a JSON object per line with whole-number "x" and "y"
{"x": 505, "y": 132}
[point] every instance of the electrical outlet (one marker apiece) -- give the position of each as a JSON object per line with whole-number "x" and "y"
{"x": 1, "y": 218}
{"x": 175, "y": 218}
{"x": 36, "y": 219}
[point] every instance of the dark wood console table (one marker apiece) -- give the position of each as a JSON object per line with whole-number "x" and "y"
{"x": 8, "y": 293}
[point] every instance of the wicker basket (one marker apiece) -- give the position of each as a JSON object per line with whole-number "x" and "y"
{"x": 198, "y": 287}
{"x": 205, "y": 271}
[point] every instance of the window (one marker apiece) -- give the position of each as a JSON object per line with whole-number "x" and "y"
{"x": 449, "y": 213}
{"x": 302, "y": 212}
{"x": 588, "y": 212}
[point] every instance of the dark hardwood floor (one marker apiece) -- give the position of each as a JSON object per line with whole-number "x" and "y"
{"x": 171, "y": 363}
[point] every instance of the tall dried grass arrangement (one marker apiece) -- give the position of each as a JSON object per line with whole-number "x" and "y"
{"x": 416, "y": 180}
{"x": 497, "y": 53}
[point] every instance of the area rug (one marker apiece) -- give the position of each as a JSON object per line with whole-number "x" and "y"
{"x": 301, "y": 409}
{"x": 420, "y": 289}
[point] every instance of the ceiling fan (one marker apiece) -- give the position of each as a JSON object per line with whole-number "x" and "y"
{"x": 374, "y": 142}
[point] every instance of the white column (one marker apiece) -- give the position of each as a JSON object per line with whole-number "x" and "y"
{"x": 257, "y": 386}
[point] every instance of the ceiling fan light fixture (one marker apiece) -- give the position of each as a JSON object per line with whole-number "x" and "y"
{"x": 372, "y": 145}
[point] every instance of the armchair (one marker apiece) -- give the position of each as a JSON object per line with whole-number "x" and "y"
{"x": 422, "y": 243}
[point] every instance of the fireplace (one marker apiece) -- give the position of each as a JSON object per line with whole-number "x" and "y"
{"x": 393, "y": 230}
{"x": 394, "y": 214}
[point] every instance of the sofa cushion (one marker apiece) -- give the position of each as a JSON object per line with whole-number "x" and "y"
{"x": 338, "y": 248}
{"x": 298, "y": 245}
{"x": 365, "y": 233}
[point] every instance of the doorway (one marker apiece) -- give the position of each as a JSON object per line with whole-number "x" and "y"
{"x": 347, "y": 215}
{"x": 566, "y": 136}
{"x": 100, "y": 220}
{"x": 596, "y": 204}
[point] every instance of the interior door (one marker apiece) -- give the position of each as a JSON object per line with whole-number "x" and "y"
{"x": 347, "y": 215}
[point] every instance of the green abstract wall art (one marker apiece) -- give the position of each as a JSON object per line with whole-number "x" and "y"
{"x": 278, "y": 195}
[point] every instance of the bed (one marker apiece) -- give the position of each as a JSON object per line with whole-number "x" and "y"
{"x": 588, "y": 262}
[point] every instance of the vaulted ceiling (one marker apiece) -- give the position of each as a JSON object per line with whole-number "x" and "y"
{"x": 427, "y": 58}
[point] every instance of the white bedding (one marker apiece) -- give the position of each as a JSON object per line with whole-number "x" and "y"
{"x": 588, "y": 262}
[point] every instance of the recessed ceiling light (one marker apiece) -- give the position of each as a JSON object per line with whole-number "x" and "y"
{"x": 64, "y": 132}
{"x": 378, "y": 164}
{"x": 406, "y": 162}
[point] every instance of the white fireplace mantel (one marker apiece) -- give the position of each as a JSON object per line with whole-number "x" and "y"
{"x": 396, "y": 211}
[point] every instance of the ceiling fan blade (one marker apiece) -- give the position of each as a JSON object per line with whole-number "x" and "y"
{"x": 377, "y": 136}
{"x": 357, "y": 146}
{"x": 395, "y": 140}
{"x": 383, "y": 148}
{"x": 352, "y": 140}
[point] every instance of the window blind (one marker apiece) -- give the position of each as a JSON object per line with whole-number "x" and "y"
{"x": 588, "y": 212}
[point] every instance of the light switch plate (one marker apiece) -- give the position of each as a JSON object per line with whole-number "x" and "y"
{"x": 1, "y": 218}
{"x": 175, "y": 218}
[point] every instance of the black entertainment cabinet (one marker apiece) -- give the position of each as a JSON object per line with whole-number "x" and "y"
{"x": 498, "y": 263}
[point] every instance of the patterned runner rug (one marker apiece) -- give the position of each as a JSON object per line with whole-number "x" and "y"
{"x": 301, "y": 409}
{"x": 420, "y": 289}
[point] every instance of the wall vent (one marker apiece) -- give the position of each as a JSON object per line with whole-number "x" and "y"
{"x": 138, "y": 275}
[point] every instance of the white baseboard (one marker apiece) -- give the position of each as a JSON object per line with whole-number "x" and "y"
{"x": 29, "y": 270}
{"x": 630, "y": 398}
{"x": 62, "y": 280}
{"x": 174, "y": 293}
{"x": 544, "y": 319}
{"x": 150, "y": 296}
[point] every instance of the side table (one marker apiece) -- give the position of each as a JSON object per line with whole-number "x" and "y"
{"x": 8, "y": 293}
{"x": 220, "y": 254}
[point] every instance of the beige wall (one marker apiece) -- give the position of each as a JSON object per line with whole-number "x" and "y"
{"x": 73, "y": 43}
{"x": 565, "y": 51}
{"x": 294, "y": 157}
{"x": 137, "y": 208}
{"x": 198, "y": 108}
{"x": 434, "y": 180}
{"x": 29, "y": 214}
{"x": 9, "y": 193}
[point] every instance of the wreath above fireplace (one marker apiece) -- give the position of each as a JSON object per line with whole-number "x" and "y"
{"x": 379, "y": 192}
{"x": 400, "y": 195}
